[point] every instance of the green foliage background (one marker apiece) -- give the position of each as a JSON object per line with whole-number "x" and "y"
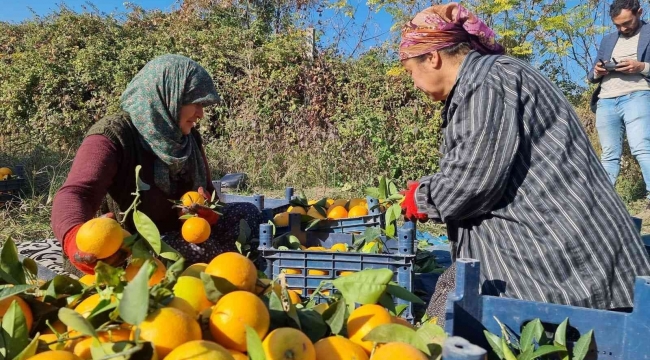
{"x": 286, "y": 119}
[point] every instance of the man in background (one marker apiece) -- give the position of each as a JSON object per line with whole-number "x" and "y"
{"x": 622, "y": 100}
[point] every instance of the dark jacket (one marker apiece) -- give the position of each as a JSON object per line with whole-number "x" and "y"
{"x": 605, "y": 53}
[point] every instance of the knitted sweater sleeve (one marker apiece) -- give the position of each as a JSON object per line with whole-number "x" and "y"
{"x": 93, "y": 169}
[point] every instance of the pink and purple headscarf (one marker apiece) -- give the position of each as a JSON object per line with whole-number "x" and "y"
{"x": 442, "y": 26}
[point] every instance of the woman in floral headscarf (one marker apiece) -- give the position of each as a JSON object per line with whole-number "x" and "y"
{"x": 520, "y": 187}
{"x": 155, "y": 129}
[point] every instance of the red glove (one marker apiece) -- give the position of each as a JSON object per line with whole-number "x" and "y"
{"x": 83, "y": 261}
{"x": 409, "y": 208}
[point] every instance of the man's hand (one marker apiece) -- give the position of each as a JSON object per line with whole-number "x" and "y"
{"x": 599, "y": 70}
{"x": 409, "y": 208}
{"x": 630, "y": 66}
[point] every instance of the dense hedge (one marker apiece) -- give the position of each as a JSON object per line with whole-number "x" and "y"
{"x": 285, "y": 119}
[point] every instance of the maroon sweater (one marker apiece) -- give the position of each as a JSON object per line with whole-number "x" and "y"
{"x": 101, "y": 167}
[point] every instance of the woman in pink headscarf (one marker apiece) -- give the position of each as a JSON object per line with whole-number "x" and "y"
{"x": 520, "y": 187}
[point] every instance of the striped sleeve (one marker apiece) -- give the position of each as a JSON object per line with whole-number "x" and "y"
{"x": 482, "y": 141}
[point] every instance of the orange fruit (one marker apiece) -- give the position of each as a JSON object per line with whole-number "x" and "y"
{"x": 51, "y": 339}
{"x": 292, "y": 271}
{"x": 101, "y": 237}
{"x": 192, "y": 197}
{"x": 401, "y": 321}
{"x": 184, "y": 306}
{"x": 398, "y": 350}
{"x": 200, "y": 350}
{"x": 293, "y": 296}
{"x": 281, "y": 219}
{"x": 196, "y": 230}
{"x": 315, "y": 214}
{"x": 346, "y": 273}
{"x": 55, "y": 355}
{"x": 195, "y": 270}
{"x": 318, "y": 272}
{"x": 341, "y": 247}
{"x": 316, "y": 248}
{"x": 358, "y": 202}
{"x": 329, "y": 202}
{"x": 288, "y": 344}
{"x": 236, "y": 268}
{"x": 24, "y": 307}
{"x": 362, "y": 320}
{"x": 86, "y": 307}
{"x": 169, "y": 328}
{"x": 57, "y": 325}
{"x": 82, "y": 348}
{"x": 88, "y": 280}
{"x": 337, "y": 212}
{"x": 236, "y": 355}
{"x": 297, "y": 210}
{"x": 232, "y": 313}
{"x": 339, "y": 348}
{"x": 5, "y": 171}
{"x": 357, "y": 211}
{"x": 192, "y": 290}
{"x": 339, "y": 202}
{"x": 132, "y": 270}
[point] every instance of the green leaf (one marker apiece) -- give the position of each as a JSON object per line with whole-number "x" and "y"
{"x": 175, "y": 270}
{"x": 581, "y": 347}
{"x": 560, "y": 333}
{"x": 244, "y": 232}
{"x": 30, "y": 265}
{"x": 135, "y": 299}
{"x": 392, "y": 189}
{"x": 216, "y": 287}
{"x": 7, "y": 291}
{"x": 106, "y": 274}
{"x": 399, "y": 309}
{"x": 10, "y": 264}
{"x": 294, "y": 242}
{"x": 140, "y": 185}
{"x": 29, "y": 351}
{"x": 387, "y": 301}
{"x": 63, "y": 285}
{"x": 15, "y": 332}
{"x": 507, "y": 353}
{"x": 526, "y": 355}
{"x": 334, "y": 316}
{"x": 168, "y": 252}
{"x": 254, "y": 345}
{"x": 312, "y": 324}
{"x": 397, "y": 333}
{"x": 531, "y": 333}
{"x": 364, "y": 287}
{"x": 432, "y": 333}
{"x": 402, "y": 293}
{"x": 396, "y": 197}
{"x": 383, "y": 189}
{"x": 186, "y": 216}
{"x": 373, "y": 191}
{"x": 495, "y": 343}
{"x": 140, "y": 250}
{"x": 371, "y": 233}
{"x": 76, "y": 322}
{"x": 148, "y": 230}
{"x": 547, "y": 349}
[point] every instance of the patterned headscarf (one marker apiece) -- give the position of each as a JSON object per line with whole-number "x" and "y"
{"x": 154, "y": 99}
{"x": 437, "y": 28}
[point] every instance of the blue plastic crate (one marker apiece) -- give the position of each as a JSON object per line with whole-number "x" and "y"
{"x": 400, "y": 260}
{"x": 457, "y": 348}
{"x": 617, "y": 335}
{"x": 269, "y": 207}
{"x": 9, "y": 189}
{"x": 375, "y": 218}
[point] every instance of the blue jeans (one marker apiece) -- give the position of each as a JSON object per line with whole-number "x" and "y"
{"x": 629, "y": 113}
